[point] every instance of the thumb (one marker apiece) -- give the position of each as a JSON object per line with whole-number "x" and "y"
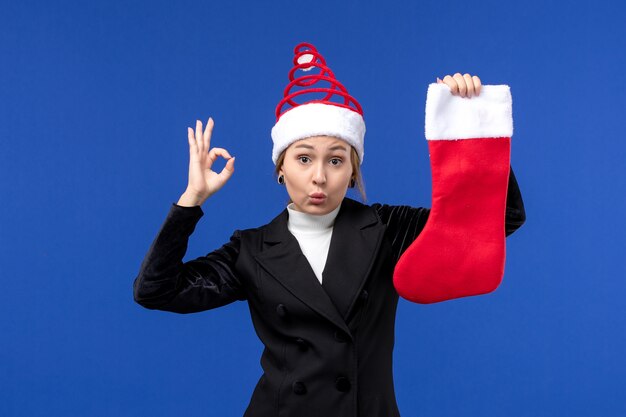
{"x": 228, "y": 170}
{"x": 439, "y": 81}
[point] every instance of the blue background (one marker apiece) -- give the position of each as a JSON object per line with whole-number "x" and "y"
{"x": 95, "y": 100}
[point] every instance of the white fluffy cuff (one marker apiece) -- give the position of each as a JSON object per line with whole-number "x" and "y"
{"x": 488, "y": 115}
{"x": 318, "y": 119}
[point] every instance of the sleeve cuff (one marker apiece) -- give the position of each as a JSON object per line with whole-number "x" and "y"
{"x": 186, "y": 212}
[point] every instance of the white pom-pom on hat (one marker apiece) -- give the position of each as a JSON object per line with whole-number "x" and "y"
{"x": 305, "y": 59}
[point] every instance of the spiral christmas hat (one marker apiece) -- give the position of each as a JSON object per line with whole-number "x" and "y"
{"x": 342, "y": 118}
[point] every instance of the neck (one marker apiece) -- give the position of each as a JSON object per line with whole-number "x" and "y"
{"x": 311, "y": 222}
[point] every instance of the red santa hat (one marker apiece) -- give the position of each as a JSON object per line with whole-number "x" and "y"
{"x": 342, "y": 118}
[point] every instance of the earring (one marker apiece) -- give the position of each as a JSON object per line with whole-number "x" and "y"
{"x": 281, "y": 180}
{"x": 352, "y": 183}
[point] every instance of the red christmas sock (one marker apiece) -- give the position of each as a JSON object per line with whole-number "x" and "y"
{"x": 461, "y": 250}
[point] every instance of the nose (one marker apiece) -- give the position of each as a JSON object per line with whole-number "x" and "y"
{"x": 319, "y": 174}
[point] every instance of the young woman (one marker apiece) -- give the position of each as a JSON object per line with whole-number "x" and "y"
{"x": 317, "y": 278}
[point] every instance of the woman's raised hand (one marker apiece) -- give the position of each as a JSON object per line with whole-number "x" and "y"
{"x": 203, "y": 181}
{"x": 464, "y": 85}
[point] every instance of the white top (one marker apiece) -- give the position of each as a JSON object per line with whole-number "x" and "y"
{"x": 313, "y": 233}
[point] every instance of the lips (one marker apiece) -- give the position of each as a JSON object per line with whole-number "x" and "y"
{"x": 317, "y": 198}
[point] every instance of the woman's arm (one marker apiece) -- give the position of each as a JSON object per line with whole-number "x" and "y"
{"x": 405, "y": 223}
{"x": 166, "y": 283}
{"x": 515, "y": 213}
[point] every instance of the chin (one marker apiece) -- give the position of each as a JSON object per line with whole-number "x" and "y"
{"x": 321, "y": 208}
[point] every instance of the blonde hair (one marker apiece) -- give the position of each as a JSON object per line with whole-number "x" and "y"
{"x": 356, "y": 170}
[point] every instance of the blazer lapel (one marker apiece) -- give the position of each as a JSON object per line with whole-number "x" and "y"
{"x": 355, "y": 241}
{"x": 284, "y": 260}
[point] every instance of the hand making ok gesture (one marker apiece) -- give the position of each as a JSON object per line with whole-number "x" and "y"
{"x": 203, "y": 181}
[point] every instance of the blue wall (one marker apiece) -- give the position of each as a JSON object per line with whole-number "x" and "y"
{"x": 95, "y": 100}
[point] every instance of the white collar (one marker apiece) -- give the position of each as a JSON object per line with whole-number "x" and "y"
{"x": 305, "y": 222}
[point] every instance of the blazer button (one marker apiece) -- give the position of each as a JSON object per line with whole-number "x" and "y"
{"x": 364, "y": 295}
{"x": 302, "y": 345}
{"x": 281, "y": 310}
{"x": 340, "y": 336}
{"x": 299, "y": 387}
{"x": 342, "y": 384}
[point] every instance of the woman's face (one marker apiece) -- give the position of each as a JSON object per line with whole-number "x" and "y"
{"x": 317, "y": 172}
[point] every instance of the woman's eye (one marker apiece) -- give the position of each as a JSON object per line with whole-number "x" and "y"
{"x": 335, "y": 161}
{"x": 304, "y": 159}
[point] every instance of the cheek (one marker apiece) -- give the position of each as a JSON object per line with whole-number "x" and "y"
{"x": 296, "y": 182}
{"x": 342, "y": 179}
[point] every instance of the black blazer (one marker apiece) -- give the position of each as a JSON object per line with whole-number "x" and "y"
{"x": 328, "y": 348}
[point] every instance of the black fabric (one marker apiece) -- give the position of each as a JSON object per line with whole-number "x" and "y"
{"x": 328, "y": 348}
{"x": 515, "y": 212}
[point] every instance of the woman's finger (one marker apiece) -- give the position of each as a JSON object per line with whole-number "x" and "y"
{"x": 199, "y": 136}
{"x": 193, "y": 147}
{"x": 207, "y": 133}
{"x": 470, "y": 85}
{"x": 461, "y": 83}
{"x": 477, "y": 84}
{"x": 228, "y": 169}
{"x": 450, "y": 82}
{"x": 214, "y": 153}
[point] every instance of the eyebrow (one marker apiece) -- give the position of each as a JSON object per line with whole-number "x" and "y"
{"x": 333, "y": 148}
